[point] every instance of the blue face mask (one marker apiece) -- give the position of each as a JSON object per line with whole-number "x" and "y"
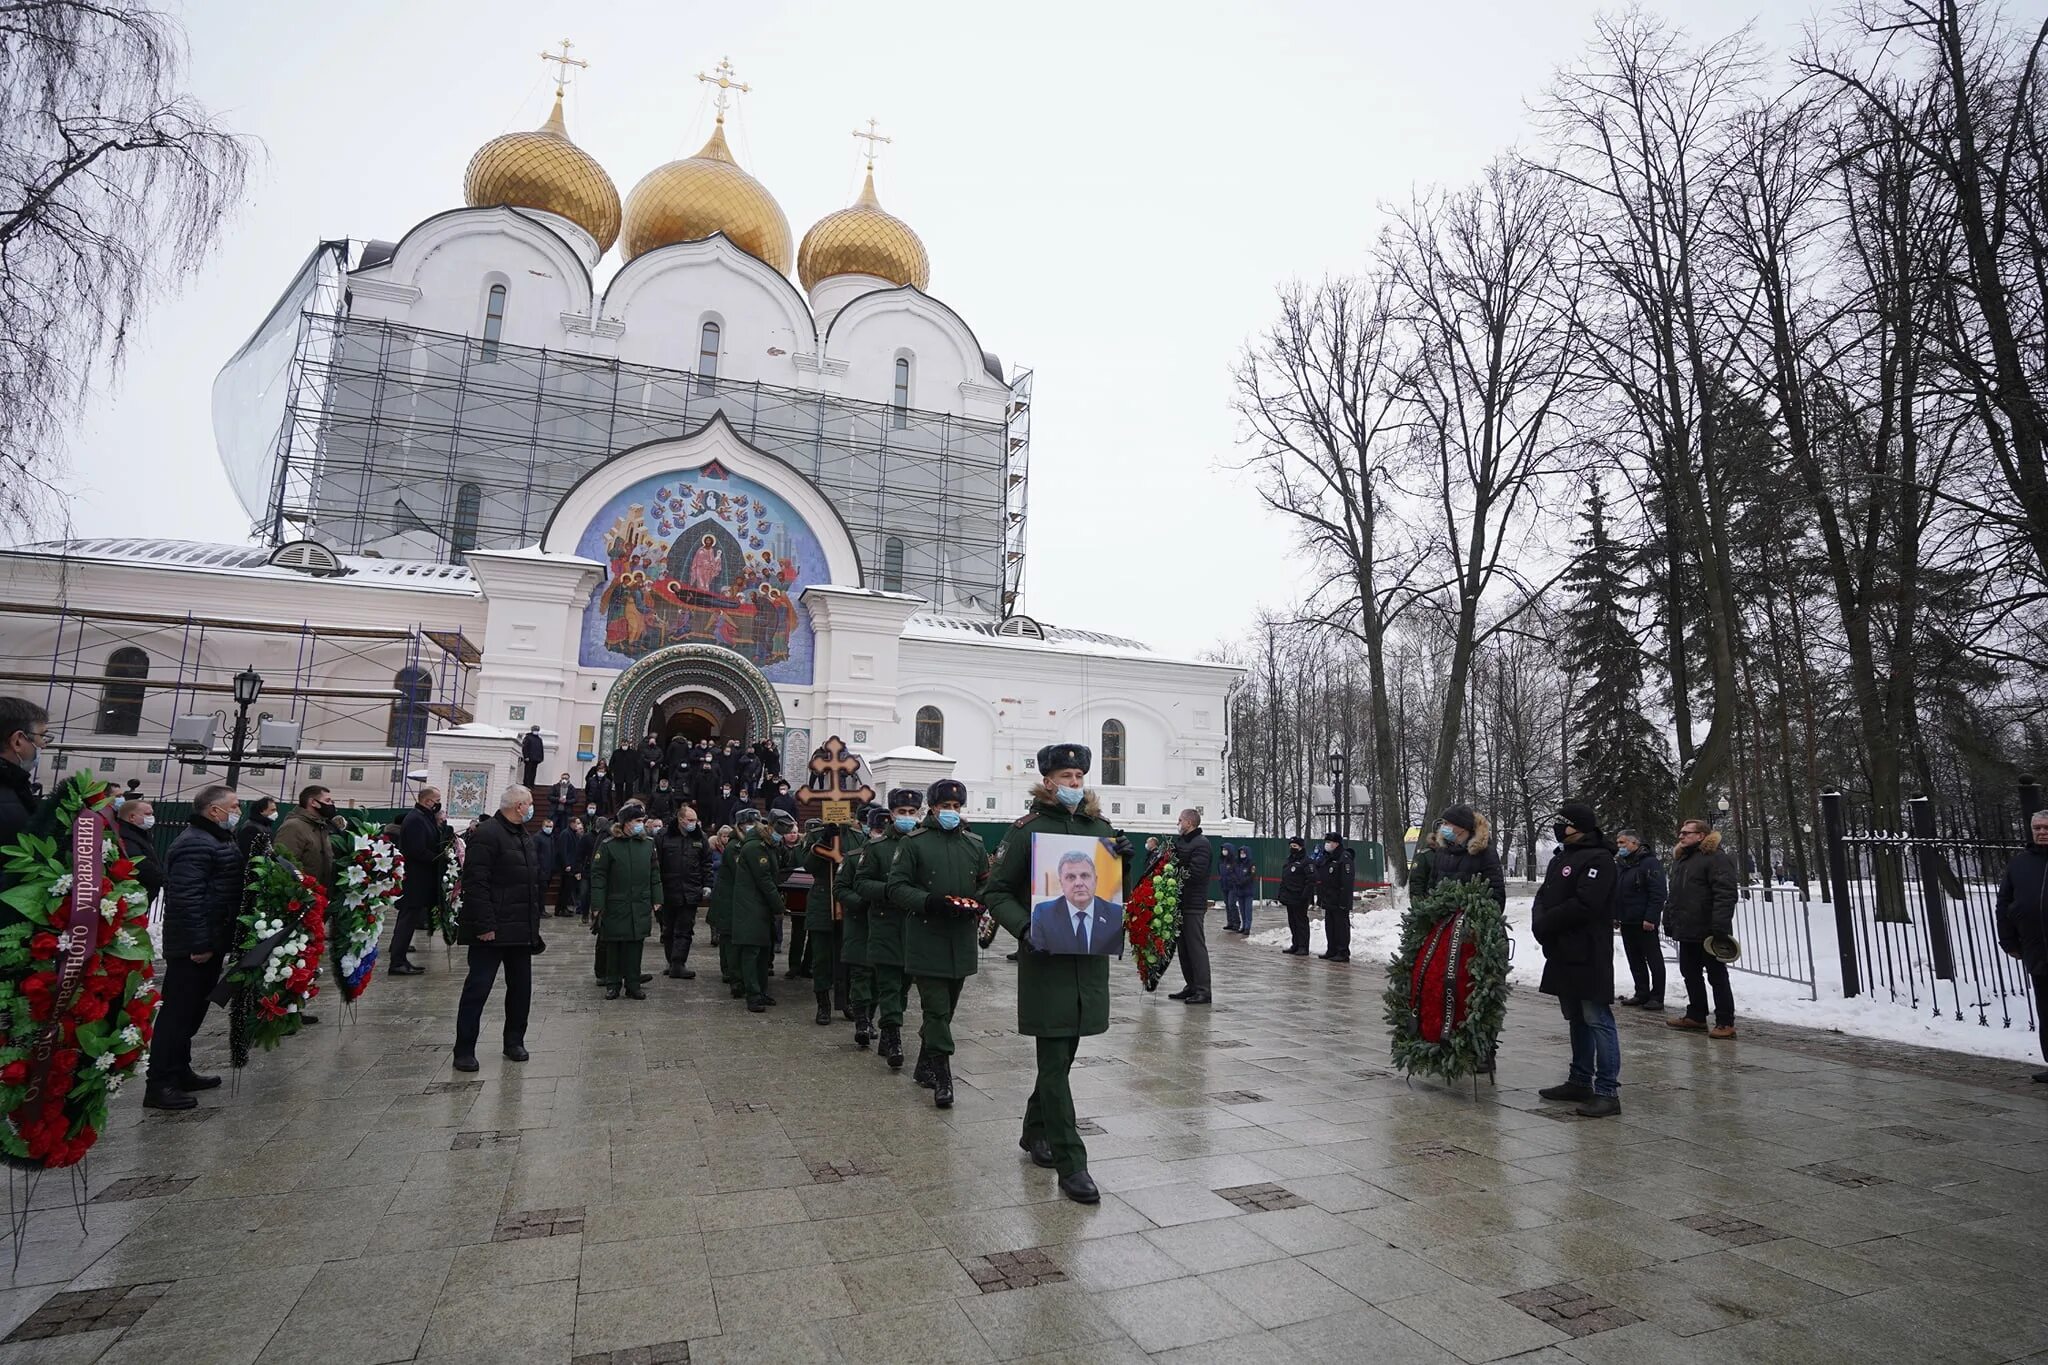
{"x": 949, "y": 819}
{"x": 1447, "y": 833}
{"x": 1070, "y": 797}
{"x": 904, "y": 823}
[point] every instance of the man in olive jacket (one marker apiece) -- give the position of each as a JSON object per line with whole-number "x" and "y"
{"x": 624, "y": 885}
{"x": 306, "y": 836}
{"x": 500, "y": 922}
{"x": 853, "y": 927}
{"x": 1061, "y": 998}
{"x": 887, "y": 926}
{"x": 937, "y": 881}
{"x": 756, "y": 903}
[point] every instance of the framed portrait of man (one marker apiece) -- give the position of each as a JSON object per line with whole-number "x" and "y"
{"x": 1076, "y": 896}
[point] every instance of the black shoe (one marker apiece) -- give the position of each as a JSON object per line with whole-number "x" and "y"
{"x": 1080, "y": 1187}
{"x": 671, "y": 973}
{"x": 1338, "y": 957}
{"x": 635, "y": 993}
{"x": 192, "y": 1080}
{"x": 922, "y": 1072}
{"x": 863, "y": 1028}
{"x": 307, "y": 1020}
{"x": 739, "y": 992}
{"x": 890, "y": 1049}
{"x": 846, "y": 1013}
{"x": 1041, "y": 1151}
{"x": 167, "y": 1097}
{"x": 2040, "y": 1078}
{"x": 1183, "y": 993}
{"x": 685, "y": 974}
{"x": 1327, "y": 957}
{"x": 515, "y": 1053}
{"x": 1570, "y": 1091}
{"x": 1197, "y": 997}
{"x": 1009, "y": 957}
{"x": 824, "y": 1019}
{"x": 942, "y": 1080}
{"x": 1600, "y": 1107}
{"x": 646, "y": 977}
{"x": 765, "y": 998}
{"x": 404, "y": 969}
{"x": 757, "y": 1005}
{"x": 1634, "y": 999}
{"x": 611, "y": 992}
{"x": 465, "y": 1061}
{"x": 1655, "y": 1002}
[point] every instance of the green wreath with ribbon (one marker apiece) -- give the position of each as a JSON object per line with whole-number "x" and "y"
{"x": 1481, "y": 942}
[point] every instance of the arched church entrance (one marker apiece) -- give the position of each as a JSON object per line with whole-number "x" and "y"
{"x": 695, "y": 690}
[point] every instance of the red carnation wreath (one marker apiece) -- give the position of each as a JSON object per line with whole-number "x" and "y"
{"x": 77, "y": 1007}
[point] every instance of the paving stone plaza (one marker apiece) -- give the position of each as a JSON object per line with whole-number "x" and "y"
{"x": 679, "y": 1180}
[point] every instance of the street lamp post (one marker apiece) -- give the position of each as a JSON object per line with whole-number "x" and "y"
{"x": 248, "y": 687}
{"x": 1340, "y": 792}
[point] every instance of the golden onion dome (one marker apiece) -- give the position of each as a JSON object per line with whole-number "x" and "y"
{"x": 544, "y": 170}
{"x": 863, "y": 240}
{"x": 708, "y": 193}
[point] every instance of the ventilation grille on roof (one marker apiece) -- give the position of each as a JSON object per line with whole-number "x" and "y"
{"x": 1021, "y": 626}
{"x": 307, "y": 556}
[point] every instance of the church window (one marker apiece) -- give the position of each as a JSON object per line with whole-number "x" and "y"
{"x": 494, "y": 321}
{"x": 121, "y": 695}
{"x": 931, "y": 729}
{"x": 1112, "y": 753}
{"x": 899, "y": 417}
{"x": 469, "y": 502}
{"x": 407, "y": 728}
{"x": 892, "y": 565}
{"x": 707, "y": 352}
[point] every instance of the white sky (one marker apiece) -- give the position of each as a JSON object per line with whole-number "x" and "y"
{"x": 1110, "y": 193}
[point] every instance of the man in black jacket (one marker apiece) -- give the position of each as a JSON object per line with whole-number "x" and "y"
{"x": 1297, "y": 889}
{"x": 597, "y": 790}
{"x": 561, "y": 801}
{"x": 134, "y": 823}
{"x": 24, "y": 729}
{"x": 1702, "y": 906}
{"x": 1573, "y": 924}
{"x": 532, "y": 749}
{"x": 419, "y": 844}
{"x": 1639, "y": 896}
{"x": 501, "y": 925}
{"x": 1336, "y": 873}
{"x": 572, "y": 849}
{"x": 683, "y": 853}
{"x": 1191, "y": 853}
{"x": 202, "y": 898}
{"x": 2023, "y": 912}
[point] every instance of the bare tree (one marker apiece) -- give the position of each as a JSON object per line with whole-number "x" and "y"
{"x": 113, "y": 186}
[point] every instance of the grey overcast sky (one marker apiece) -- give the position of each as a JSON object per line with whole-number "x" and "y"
{"x": 1110, "y": 193}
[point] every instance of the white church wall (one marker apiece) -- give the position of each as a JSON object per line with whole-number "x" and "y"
{"x": 871, "y": 332}
{"x": 665, "y": 297}
{"x": 441, "y": 274}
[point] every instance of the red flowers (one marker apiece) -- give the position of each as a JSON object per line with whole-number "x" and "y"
{"x": 14, "y": 1073}
{"x": 43, "y": 945}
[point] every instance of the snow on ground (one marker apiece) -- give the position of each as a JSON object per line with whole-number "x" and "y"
{"x": 1376, "y": 934}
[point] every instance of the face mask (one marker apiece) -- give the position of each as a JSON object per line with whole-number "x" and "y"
{"x": 1070, "y": 797}
{"x": 904, "y": 823}
{"x": 590, "y": 810}
{"x": 547, "y": 829}
{"x": 1447, "y": 833}
{"x": 1559, "y": 830}
{"x": 231, "y": 819}
{"x": 689, "y": 826}
{"x": 1329, "y": 847}
{"x": 949, "y": 819}
{"x": 149, "y": 822}
{"x": 636, "y": 829}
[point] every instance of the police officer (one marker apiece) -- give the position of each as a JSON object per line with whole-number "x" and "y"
{"x": 937, "y": 881}
{"x": 1061, "y": 997}
{"x": 887, "y": 926}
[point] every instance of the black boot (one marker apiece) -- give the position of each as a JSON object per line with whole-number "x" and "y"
{"x": 611, "y": 991}
{"x": 890, "y": 1049}
{"x": 167, "y": 1097}
{"x": 922, "y": 1072}
{"x": 1040, "y": 1150}
{"x": 1080, "y": 1187}
{"x": 942, "y": 1080}
{"x": 863, "y": 1033}
{"x": 824, "y": 1018}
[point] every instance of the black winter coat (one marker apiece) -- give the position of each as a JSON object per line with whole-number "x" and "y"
{"x": 1573, "y": 922}
{"x": 202, "y": 890}
{"x": 17, "y": 800}
{"x": 2023, "y": 907}
{"x": 684, "y": 857}
{"x": 1474, "y": 860}
{"x": 532, "y": 748}
{"x": 1191, "y": 851}
{"x": 1297, "y": 882}
{"x": 138, "y": 845}
{"x": 1639, "y": 890}
{"x": 1702, "y": 900}
{"x": 1336, "y": 877}
{"x": 419, "y": 843}
{"x": 501, "y": 886}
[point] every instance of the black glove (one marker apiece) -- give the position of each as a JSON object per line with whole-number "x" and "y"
{"x": 935, "y": 904}
{"x": 1122, "y": 847}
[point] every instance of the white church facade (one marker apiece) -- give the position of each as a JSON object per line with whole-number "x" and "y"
{"x": 600, "y": 466}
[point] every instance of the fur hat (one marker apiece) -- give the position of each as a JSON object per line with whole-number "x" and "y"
{"x": 783, "y": 821}
{"x": 813, "y": 825}
{"x": 745, "y": 818}
{"x": 877, "y": 817}
{"x": 632, "y": 810}
{"x": 1053, "y": 757}
{"x": 947, "y": 789}
{"x": 1464, "y": 817}
{"x": 906, "y": 796}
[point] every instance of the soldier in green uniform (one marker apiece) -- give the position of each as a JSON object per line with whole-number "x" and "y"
{"x": 624, "y": 885}
{"x": 720, "y": 915}
{"x": 828, "y": 855}
{"x": 1061, "y": 998}
{"x": 756, "y": 903}
{"x": 853, "y": 929}
{"x": 936, "y": 881}
{"x": 886, "y": 924}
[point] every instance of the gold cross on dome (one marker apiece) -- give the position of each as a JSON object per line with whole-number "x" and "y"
{"x": 563, "y": 61}
{"x": 871, "y": 137}
{"x": 724, "y": 81}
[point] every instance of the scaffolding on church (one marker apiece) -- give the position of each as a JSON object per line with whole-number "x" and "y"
{"x": 105, "y": 664}
{"x": 409, "y": 443}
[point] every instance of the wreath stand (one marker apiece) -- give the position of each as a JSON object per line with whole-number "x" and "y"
{"x": 23, "y": 1179}
{"x": 1447, "y": 987}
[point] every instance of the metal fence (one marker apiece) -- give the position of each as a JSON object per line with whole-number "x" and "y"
{"x": 1774, "y": 925}
{"x": 1915, "y": 906}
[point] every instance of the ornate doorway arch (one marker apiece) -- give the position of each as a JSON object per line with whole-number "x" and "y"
{"x": 631, "y": 703}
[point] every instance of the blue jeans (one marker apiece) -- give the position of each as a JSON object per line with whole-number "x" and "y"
{"x": 1237, "y": 908}
{"x": 1596, "y": 1046}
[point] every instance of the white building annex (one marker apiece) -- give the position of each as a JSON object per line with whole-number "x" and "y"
{"x": 553, "y": 458}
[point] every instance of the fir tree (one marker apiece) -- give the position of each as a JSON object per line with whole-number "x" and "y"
{"x": 1618, "y": 762}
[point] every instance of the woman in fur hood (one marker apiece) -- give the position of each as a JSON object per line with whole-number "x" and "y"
{"x": 1459, "y": 849}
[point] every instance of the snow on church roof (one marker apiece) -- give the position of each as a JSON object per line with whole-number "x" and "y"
{"x": 932, "y": 626}
{"x": 255, "y": 560}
